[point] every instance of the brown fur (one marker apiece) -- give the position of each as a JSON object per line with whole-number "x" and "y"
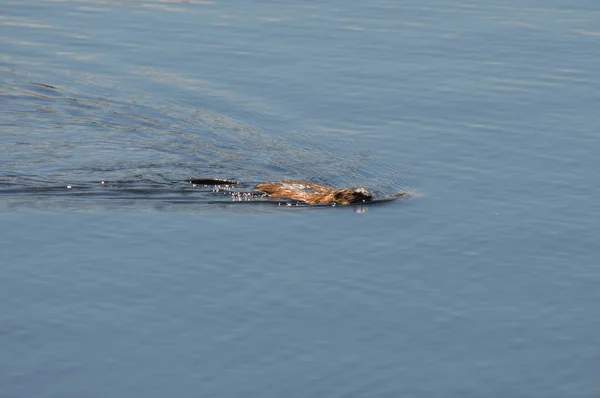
{"x": 309, "y": 192}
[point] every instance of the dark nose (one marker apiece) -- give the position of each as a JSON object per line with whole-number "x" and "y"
{"x": 362, "y": 196}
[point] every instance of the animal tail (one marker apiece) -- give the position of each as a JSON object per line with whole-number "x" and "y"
{"x": 212, "y": 181}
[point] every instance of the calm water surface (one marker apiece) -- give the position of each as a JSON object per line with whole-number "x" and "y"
{"x": 483, "y": 284}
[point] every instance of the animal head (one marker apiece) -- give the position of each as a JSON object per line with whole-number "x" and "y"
{"x": 346, "y": 196}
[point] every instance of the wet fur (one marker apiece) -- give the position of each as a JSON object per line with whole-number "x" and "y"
{"x": 312, "y": 193}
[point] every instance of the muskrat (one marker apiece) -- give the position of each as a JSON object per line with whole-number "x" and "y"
{"x": 312, "y": 193}
{"x": 300, "y": 190}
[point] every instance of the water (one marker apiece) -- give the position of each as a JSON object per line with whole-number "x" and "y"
{"x": 482, "y": 284}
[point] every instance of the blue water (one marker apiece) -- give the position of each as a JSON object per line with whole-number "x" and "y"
{"x": 484, "y": 283}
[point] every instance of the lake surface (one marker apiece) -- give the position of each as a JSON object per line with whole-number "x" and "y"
{"x": 484, "y": 283}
